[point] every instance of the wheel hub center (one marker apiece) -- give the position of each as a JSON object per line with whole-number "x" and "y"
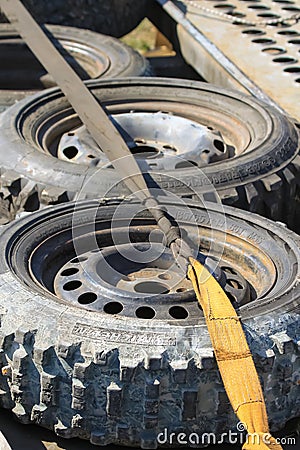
{"x": 152, "y": 280}
{"x": 87, "y": 278}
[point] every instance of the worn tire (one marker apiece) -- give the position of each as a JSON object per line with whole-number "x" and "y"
{"x": 113, "y": 17}
{"x": 114, "y": 378}
{"x": 99, "y": 55}
{"x": 263, "y": 179}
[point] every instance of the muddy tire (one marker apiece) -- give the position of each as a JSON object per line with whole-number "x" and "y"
{"x": 113, "y": 17}
{"x": 262, "y": 177}
{"x": 87, "y": 356}
{"x": 99, "y": 56}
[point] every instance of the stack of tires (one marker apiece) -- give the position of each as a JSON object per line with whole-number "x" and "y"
{"x": 101, "y": 335}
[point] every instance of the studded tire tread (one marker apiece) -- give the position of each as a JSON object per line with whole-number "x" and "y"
{"x": 110, "y": 382}
{"x": 113, "y": 17}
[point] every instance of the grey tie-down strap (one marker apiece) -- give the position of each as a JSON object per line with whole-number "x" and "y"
{"x": 93, "y": 116}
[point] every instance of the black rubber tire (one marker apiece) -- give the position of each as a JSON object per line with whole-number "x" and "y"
{"x": 119, "y": 379}
{"x": 264, "y": 179}
{"x": 113, "y": 17}
{"x": 101, "y": 56}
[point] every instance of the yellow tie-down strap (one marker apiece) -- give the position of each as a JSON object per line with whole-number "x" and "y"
{"x": 233, "y": 357}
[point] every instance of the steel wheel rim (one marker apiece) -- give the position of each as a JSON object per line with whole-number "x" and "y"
{"x": 48, "y": 260}
{"x": 235, "y": 140}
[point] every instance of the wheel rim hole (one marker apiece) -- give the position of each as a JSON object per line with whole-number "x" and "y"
{"x": 229, "y": 270}
{"x": 234, "y": 284}
{"x": 219, "y": 145}
{"x": 79, "y": 259}
{"x": 145, "y": 312}
{"x": 178, "y": 312}
{"x": 232, "y": 299}
{"x": 145, "y": 151}
{"x": 181, "y": 289}
{"x": 87, "y": 298}
{"x": 91, "y": 156}
{"x": 169, "y": 147}
{"x": 151, "y": 287}
{"x": 113, "y": 308}
{"x": 164, "y": 276}
{"x": 68, "y": 272}
{"x": 70, "y": 152}
{"x": 72, "y": 285}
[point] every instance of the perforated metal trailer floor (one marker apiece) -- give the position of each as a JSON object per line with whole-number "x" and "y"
{"x": 251, "y": 45}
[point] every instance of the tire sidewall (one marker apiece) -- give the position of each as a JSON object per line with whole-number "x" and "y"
{"x": 277, "y": 150}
